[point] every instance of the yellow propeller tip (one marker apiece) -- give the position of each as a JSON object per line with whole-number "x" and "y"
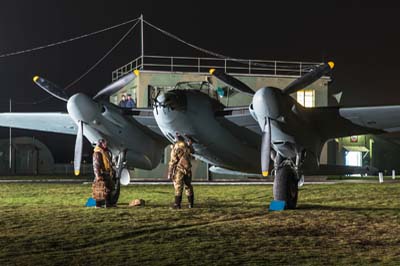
{"x": 212, "y": 70}
{"x": 265, "y": 173}
{"x": 136, "y": 72}
{"x": 35, "y": 78}
{"x": 331, "y": 64}
{"x": 77, "y": 172}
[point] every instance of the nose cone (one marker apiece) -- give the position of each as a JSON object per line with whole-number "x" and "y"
{"x": 175, "y": 100}
{"x": 82, "y": 108}
{"x": 163, "y": 111}
{"x": 265, "y": 103}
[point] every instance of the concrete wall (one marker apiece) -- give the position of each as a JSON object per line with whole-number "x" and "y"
{"x": 139, "y": 87}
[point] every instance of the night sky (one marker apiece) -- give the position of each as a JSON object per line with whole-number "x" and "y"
{"x": 362, "y": 40}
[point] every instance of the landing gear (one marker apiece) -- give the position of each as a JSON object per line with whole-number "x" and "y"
{"x": 286, "y": 182}
{"x": 285, "y": 186}
{"x": 117, "y": 179}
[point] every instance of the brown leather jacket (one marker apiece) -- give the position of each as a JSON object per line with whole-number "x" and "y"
{"x": 99, "y": 163}
{"x": 181, "y": 154}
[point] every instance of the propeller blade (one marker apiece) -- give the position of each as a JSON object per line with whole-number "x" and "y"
{"x": 309, "y": 78}
{"x": 266, "y": 148}
{"x": 51, "y": 88}
{"x": 231, "y": 81}
{"x": 78, "y": 149}
{"x": 116, "y": 86}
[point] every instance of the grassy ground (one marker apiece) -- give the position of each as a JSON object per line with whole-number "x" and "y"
{"x": 343, "y": 224}
{"x": 372, "y": 178}
{"x": 47, "y": 177}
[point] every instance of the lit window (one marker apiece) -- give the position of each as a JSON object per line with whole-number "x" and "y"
{"x": 306, "y": 98}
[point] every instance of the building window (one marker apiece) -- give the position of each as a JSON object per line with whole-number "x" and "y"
{"x": 306, "y": 98}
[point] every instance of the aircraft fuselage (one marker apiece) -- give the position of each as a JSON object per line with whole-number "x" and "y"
{"x": 194, "y": 116}
{"x": 225, "y": 144}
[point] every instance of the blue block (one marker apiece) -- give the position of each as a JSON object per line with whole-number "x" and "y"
{"x": 277, "y": 205}
{"x": 91, "y": 202}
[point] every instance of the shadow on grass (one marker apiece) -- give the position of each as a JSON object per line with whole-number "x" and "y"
{"x": 341, "y": 208}
{"x": 167, "y": 205}
{"x": 145, "y": 232}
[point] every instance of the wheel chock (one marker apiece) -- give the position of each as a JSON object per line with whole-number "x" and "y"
{"x": 91, "y": 202}
{"x": 277, "y": 205}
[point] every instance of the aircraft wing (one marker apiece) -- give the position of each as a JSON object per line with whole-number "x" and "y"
{"x": 240, "y": 116}
{"x": 145, "y": 117}
{"x": 329, "y": 169}
{"x": 386, "y": 118}
{"x": 62, "y": 122}
{"x": 48, "y": 122}
{"x": 331, "y": 122}
{"x": 335, "y": 122}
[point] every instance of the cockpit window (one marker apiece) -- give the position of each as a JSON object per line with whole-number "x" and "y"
{"x": 176, "y": 100}
{"x": 204, "y": 87}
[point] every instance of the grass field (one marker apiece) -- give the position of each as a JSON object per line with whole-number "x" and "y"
{"x": 343, "y": 224}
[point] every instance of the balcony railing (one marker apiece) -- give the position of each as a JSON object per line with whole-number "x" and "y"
{"x": 202, "y": 65}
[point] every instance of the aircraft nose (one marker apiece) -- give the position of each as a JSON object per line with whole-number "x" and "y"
{"x": 82, "y": 108}
{"x": 265, "y": 103}
{"x": 175, "y": 100}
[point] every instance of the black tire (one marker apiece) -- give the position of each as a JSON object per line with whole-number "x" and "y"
{"x": 286, "y": 186}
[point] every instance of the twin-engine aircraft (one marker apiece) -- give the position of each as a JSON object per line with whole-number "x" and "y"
{"x": 240, "y": 140}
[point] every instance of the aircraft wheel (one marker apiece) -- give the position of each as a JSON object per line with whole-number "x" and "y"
{"x": 286, "y": 186}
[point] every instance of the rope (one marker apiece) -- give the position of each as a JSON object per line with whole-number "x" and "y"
{"x": 92, "y": 67}
{"x": 242, "y": 61}
{"x": 102, "y": 58}
{"x": 65, "y": 41}
{"x": 188, "y": 44}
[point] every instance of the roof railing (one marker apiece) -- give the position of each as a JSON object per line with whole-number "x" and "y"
{"x": 203, "y": 65}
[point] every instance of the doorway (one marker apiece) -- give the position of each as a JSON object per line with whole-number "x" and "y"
{"x": 354, "y": 158}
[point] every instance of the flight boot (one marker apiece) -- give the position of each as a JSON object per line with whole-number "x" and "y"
{"x": 177, "y": 204}
{"x": 109, "y": 203}
{"x": 100, "y": 203}
{"x": 191, "y": 201}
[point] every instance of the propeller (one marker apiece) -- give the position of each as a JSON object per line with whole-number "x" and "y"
{"x": 51, "y": 88}
{"x": 266, "y": 147}
{"x": 233, "y": 82}
{"x": 309, "y": 78}
{"x": 78, "y": 149}
{"x": 296, "y": 85}
{"x": 116, "y": 86}
{"x": 59, "y": 93}
{"x": 156, "y": 102}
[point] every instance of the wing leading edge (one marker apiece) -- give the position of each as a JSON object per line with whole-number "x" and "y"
{"x": 386, "y": 118}
{"x": 335, "y": 122}
{"x": 48, "y": 122}
{"x": 240, "y": 116}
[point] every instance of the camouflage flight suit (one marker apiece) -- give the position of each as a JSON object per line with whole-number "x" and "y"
{"x": 102, "y": 168}
{"x": 180, "y": 170}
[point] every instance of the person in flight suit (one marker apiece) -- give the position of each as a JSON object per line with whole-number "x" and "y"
{"x": 180, "y": 170}
{"x": 102, "y": 168}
